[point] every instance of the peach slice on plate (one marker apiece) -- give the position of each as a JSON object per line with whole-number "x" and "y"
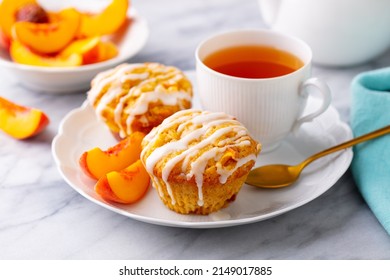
{"x": 126, "y": 186}
{"x": 49, "y": 37}
{"x": 21, "y": 54}
{"x": 106, "y": 22}
{"x": 96, "y": 163}
{"x": 21, "y": 122}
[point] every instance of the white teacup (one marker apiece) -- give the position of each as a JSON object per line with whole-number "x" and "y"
{"x": 270, "y": 108}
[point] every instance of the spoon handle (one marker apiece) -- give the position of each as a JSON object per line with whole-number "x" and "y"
{"x": 347, "y": 144}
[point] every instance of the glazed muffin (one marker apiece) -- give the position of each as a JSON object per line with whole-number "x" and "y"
{"x": 198, "y": 160}
{"x": 138, "y": 97}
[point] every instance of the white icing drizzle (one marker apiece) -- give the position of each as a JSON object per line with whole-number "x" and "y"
{"x": 185, "y": 149}
{"x": 224, "y": 174}
{"x": 142, "y": 104}
{"x": 107, "y": 77}
{"x": 158, "y": 186}
{"x": 177, "y": 118}
{"x": 107, "y": 99}
{"x": 108, "y": 87}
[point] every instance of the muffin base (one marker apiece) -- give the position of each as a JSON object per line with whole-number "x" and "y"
{"x": 186, "y": 196}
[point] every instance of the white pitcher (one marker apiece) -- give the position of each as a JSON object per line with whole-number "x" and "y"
{"x": 340, "y": 32}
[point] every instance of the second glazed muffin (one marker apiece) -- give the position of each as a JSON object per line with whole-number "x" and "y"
{"x": 138, "y": 97}
{"x": 198, "y": 160}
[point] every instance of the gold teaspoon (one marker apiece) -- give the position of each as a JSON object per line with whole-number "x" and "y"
{"x": 280, "y": 175}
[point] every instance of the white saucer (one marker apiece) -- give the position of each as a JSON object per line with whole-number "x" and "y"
{"x": 80, "y": 131}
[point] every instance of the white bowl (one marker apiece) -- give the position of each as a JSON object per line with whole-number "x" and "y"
{"x": 62, "y": 80}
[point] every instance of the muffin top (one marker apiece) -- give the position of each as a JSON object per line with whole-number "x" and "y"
{"x": 199, "y": 146}
{"x": 138, "y": 92}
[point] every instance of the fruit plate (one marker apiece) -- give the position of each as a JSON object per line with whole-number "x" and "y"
{"x": 54, "y": 80}
{"x": 80, "y": 131}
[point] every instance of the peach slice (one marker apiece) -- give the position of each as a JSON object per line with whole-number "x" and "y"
{"x": 21, "y": 54}
{"x": 97, "y": 163}
{"x": 106, "y": 22}
{"x": 8, "y": 12}
{"x": 105, "y": 51}
{"x": 126, "y": 186}
{"x": 49, "y": 37}
{"x": 19, "y": 121}
{"x": 5, "y": 42}
{"x": 32, "y": 13}
{"x": 88, "y": 48}
{"x": 92, "y": 50}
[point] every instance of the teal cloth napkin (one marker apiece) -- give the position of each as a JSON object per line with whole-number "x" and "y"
{"x": 370, "y": 167}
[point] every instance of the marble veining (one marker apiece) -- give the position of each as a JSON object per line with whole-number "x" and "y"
{"x": 41, "y": 217}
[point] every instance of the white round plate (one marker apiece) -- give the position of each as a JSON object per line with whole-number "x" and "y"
{"x": 80, "y": 131}
{"x": 71, "y": 79}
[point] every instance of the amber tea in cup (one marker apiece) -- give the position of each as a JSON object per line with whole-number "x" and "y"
{"x": 260, "y": 77}
{"x": 253, "y": 61}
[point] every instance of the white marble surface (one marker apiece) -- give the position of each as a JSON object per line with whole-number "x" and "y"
{"x": 41, "y": 217}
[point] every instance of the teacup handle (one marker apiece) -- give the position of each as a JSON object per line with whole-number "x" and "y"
{"x": 324, "y": 89}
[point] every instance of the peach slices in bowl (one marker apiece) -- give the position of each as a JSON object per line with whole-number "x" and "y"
{"x": 61, "y": 51}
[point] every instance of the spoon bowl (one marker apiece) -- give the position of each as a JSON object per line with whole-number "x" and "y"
{"x": 280, "y": 175}
{"x": 273, "y": 176}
